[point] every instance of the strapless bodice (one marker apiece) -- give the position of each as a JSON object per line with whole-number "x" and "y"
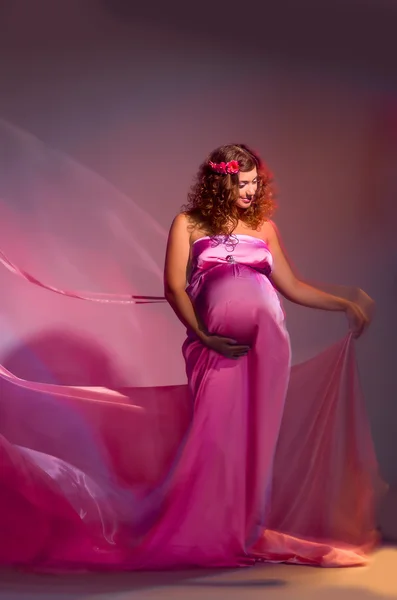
{"x": 239, "y": 249}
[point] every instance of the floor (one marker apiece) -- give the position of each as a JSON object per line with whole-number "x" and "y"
{"x": 271, "y": 582}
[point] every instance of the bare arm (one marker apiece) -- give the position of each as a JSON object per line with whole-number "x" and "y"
{"x": 176, "y": 262}
{"x": 292, "y": 288}
{"x": 299, "y": 292}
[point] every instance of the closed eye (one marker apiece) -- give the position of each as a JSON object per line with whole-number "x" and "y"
{"x": 244, "y": 183}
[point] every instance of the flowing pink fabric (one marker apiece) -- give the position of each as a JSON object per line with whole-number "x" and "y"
{"x": 251, "y": 461}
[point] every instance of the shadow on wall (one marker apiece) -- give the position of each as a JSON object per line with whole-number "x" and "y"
{"x": 64, "y": 358}
{"x": 49, "y": 423}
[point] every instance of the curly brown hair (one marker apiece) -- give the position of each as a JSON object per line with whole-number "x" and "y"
{"x": 212, "y": 199}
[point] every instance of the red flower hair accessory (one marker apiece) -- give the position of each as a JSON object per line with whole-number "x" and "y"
{"x": 223, "y": 168}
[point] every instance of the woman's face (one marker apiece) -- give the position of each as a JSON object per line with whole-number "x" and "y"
{"x": 248, "y": 184}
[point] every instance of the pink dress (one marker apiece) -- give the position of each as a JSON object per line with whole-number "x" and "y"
{"x": 251, "y": 461}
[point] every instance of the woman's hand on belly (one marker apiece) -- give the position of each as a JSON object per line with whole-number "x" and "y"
{"x": 225, "y": 346}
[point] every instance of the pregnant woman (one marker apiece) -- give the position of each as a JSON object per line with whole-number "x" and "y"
{"x": 237, "y": 356}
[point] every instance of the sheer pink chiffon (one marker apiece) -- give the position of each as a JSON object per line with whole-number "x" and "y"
{"x": 253, "y": 460}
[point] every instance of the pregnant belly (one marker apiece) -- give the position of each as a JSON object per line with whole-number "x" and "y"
{"x": 234, "y": 300}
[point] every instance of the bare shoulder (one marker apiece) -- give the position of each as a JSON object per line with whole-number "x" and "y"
{"x": 179, "y": 227}
{"x": 185, "y": 221}
{"x": 269, "y": 232}
{"x": 187, "y": 226}
{"x": 180, "y": 221}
